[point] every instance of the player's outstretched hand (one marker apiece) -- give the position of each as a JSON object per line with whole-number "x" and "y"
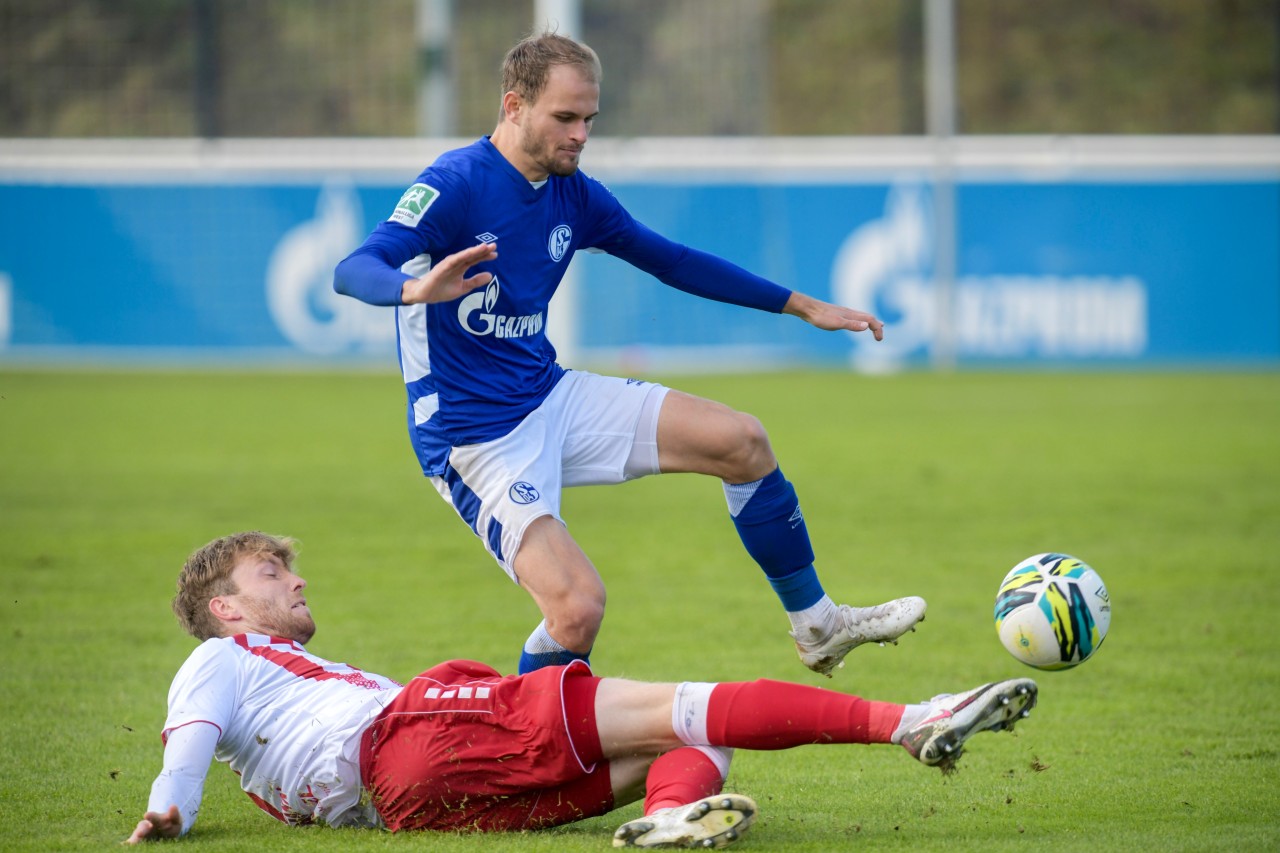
{"x": 447, "y": 279}
{"x": 825, "y": 315}
{"x": 155, "y": 825}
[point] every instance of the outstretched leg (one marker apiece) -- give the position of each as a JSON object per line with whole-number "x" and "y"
{"x": 684, "y": 806}
{"x": 634, "y": 718}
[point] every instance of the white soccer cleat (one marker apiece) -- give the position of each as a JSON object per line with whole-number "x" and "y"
{"x": 950, "y": 720}
{"x": 708, "y": 823}
{"x": 884, "y": 623}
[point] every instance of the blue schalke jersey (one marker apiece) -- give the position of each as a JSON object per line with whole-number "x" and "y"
{"x": 475, "y": 367}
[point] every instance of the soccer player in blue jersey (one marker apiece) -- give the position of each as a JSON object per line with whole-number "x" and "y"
{"x": 500, "y": 428}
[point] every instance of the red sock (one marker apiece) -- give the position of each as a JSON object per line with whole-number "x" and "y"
{"x": 679, "y": 777}
{"x": 766, "y": 714}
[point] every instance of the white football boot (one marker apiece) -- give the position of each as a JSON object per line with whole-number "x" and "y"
{"x": 951, "y": 719}
{"x": 710, "y": 822}
{"x": 884, "y": 623}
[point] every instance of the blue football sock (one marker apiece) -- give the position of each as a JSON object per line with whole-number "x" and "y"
{"x": 769, "y": 522}
{"x": 541, "y": 650}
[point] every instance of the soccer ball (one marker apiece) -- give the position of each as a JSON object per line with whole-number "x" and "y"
{"x": 1052, "y": 611}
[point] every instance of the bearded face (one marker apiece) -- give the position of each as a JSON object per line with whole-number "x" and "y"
{"x": 268, "y": 600}
{"x": 553, "y": 129}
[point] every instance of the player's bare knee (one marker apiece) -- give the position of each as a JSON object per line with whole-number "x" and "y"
{"x": 576, "y": 621}
{"x": 751, "y": 456}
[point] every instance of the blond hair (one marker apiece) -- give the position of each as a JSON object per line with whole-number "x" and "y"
{"x": 207, "y": 574}
{"x": 528, "y": 65}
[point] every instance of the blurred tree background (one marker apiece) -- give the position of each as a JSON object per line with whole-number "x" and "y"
{"x": 342, "y": 68}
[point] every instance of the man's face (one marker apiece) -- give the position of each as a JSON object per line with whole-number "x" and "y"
{"x": 269, "y": 600}
{"x": 554, "y": 129}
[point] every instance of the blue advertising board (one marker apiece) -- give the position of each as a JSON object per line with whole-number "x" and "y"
{"x": 1116, "y": 272}
{"x": 1169, "y": 270}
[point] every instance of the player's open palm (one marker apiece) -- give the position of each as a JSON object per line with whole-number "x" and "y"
{"x": 447, "y": 280}
{"x": 832, "y": 318}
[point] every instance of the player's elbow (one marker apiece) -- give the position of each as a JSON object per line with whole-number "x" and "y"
{"x": 343, "y": 276}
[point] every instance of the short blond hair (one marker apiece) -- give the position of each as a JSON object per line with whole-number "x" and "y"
{"x": 207, "y": 574}
{"x": 527, "y": 66}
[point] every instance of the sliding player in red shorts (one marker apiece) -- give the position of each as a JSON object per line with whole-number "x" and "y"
{"x": 464, "y": 747}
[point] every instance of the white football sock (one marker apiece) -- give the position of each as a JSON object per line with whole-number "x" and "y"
{"x": 720, "y": 756}
{"x": 911, "y": 714}
{"x": 689, "y": 722}
{"x": 689, "y": 712}
{"x": 541, "y": 643}
{"x": 821, "y": 615}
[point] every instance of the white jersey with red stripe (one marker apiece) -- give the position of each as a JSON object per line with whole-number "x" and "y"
{"x": 288, "y": 722}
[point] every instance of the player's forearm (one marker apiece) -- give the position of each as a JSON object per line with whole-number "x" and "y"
{"x": 187, "y": 755}
{"x": 701, "y": 273}
{"x": 177, "y": 789}
{"x": 369, "y": 279}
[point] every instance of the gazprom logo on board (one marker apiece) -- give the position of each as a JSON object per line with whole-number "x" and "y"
{"x": 886, "y": 266}
{"x": 299, "y": 282}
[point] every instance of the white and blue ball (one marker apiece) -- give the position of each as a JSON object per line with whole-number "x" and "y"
{"x": 1052, "y": 611}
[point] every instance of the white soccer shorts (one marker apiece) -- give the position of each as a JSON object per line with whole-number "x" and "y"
{"x": 590, "y": 431}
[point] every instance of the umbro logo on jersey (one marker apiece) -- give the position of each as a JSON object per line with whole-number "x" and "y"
{"x": 487, "y": 237}
{"x": 413, "y": 204}
{"x": 558, "y": 242}
{"x": 457, "y": 693}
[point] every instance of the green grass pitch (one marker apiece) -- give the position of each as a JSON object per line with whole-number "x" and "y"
{"x": 929, "y": 484}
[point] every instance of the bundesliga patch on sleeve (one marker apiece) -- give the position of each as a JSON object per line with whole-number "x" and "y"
{"x": 413, "y": 204}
